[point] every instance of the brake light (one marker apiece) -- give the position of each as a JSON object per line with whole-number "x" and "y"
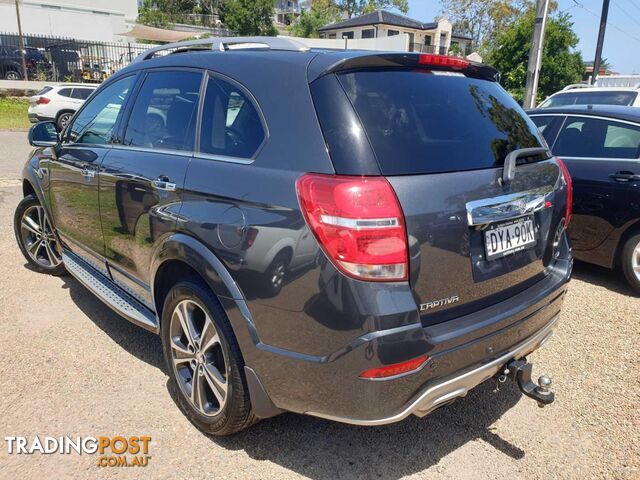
{"x": 395, "y": 369}
{"x": 359, "y": 224}
{"x": 442, "y": 61}
{"x": 42, "y": 101}
{"x": 250, "y": 238}
{"x": 569, "y": 182}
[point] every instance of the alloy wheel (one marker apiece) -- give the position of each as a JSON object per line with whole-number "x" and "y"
{"x": 38, "y": 237}
{"x": 635, "y": 261}
{"x": 64, "y": 120}
{"x": 277, "y": 275}
{"x": 199, "y": 360}
{"x": 12, "y": 75}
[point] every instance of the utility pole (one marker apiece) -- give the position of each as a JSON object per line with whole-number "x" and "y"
{"x": 603, "y": 26}
{"x": 535, "y": 55}
{"x": 21, "y": 42}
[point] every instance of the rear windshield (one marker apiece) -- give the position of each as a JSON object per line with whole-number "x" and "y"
{"x": 590, "y": 98}
{"x": 425, "y": 122}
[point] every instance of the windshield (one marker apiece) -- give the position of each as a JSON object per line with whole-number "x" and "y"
{"x": 615, "y": 97}
{"x": 425, "y": 122}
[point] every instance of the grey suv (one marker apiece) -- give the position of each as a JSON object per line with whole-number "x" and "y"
{"x": 353, "y": 235}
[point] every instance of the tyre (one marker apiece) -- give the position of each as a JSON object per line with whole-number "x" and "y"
{"x": 204, "y": 360}
{"x": 275, "y": 274}
{"x": 631, "y": 261}
{"x": 12, "y": 75}
{"x": 63, "y": 120}
{"x": 36, "y": 237}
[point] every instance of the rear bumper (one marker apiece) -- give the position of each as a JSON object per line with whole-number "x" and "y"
{"x": 443, "y": 391}
{"x": 35, "y": 118}
{"x": 463, "y": 352}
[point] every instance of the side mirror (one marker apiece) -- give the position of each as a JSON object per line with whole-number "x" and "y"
{"x": 44, "y": 134}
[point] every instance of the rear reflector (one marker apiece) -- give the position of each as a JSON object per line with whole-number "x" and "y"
{"x": 359, "y": 224}
{"x": 442, "y": 61}
{"x": 569, "y": 182}
{"x": 395, "y": 369}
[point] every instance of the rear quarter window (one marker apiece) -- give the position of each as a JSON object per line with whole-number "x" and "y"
{"x": 426, "y": 122}
{"x": 65, "y": 92}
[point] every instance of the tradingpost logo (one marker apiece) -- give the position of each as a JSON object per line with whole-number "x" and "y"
{"x": 117, "y": 451}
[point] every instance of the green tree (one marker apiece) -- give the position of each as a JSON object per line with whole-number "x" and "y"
{"x": 358, "y": 7}
{"x": 561, "y": 63}
{"x": 322, "y": 12}
{"x": 482, "y": 20}
{"x": 249, "y": 17}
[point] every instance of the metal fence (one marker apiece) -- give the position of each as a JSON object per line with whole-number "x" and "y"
{"x": 62, "y": 59}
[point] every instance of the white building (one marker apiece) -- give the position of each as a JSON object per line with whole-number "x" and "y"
{"x": 100, "y": 20}
{"x": 433, "y": 37}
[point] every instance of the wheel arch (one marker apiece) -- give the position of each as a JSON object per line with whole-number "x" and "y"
{"x": 63, "y": 111}
{"x": 181, "y": 255}
{"x": 629, "y": 232}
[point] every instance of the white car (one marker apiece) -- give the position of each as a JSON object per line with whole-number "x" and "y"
{"x": 58, "y": 103}
{"x": 583, "y": 94}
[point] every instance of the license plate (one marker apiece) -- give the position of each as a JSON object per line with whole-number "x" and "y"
{"x": 506, "y": 238}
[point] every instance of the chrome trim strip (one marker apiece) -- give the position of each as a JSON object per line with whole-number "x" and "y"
{"x": 540, "y": 113}
{"x": 162, "y": 151}
{"x": 224, "y": 158}
{"x": 439, "y": 393}
{"x": 506, "y": 207}
{"x": 360, "y": 223}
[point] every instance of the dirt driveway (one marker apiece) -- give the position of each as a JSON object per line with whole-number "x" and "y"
{"x": 72, "y": 367}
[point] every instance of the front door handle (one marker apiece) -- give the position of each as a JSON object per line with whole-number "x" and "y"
{"x": 163, "y": 183}
{"x": 624, "y": 176}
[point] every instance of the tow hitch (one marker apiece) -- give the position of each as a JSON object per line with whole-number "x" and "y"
{"x": 520, "y": 370}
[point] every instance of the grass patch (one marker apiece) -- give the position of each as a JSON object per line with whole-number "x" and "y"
{"x": 13, "y": 113}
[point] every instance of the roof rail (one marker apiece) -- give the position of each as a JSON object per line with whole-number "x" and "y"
{"x": 224, "y": 43}
{"x": 575, "y": 86}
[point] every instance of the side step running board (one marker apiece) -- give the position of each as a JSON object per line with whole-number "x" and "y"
{"x": 107, "y": 291}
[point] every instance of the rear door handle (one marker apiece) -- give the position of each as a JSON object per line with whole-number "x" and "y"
{"x": 624, "y": 176}
{"x": 163, "y": 183}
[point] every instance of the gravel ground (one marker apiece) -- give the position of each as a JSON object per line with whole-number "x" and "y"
{"x": 72, "y": 367}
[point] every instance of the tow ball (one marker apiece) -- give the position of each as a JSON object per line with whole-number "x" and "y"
{"x": 520, "y": 370}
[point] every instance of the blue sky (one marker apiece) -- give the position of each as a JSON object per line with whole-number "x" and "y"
{"x": 622, "y": 40}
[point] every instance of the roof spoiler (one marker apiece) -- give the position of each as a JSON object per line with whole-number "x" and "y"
{"x": 426, "y": 61}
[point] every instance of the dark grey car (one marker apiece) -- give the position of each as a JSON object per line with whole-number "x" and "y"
{"x": 357, "y": 236}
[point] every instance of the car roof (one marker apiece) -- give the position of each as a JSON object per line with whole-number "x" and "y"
{"x": 614, "y": 111}
{"x": 68, "y": 85}
{"x": 314, "y": 61}
{"x": 597, "y": 89}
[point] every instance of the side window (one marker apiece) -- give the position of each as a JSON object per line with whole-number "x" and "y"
{"x": 96, "y": 121}
{"x": 548, "y": 126}
{"x": 598, "y": 138}
{"x": 231, "y": 125}
{"x": 81, "y": 93}
{"x": 65, "y": 92}
{"x": 164, "y": 113}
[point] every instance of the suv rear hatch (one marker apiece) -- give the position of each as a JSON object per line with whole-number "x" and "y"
{"x": 439, "y": 129}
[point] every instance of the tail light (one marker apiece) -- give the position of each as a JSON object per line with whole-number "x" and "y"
{"x": 395, "y": 369}
{"x": 250, "y": 238}
{"x": 569, "y": 182}
{"x": 42, "y": 101}
{"x": 359, "y": 224}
